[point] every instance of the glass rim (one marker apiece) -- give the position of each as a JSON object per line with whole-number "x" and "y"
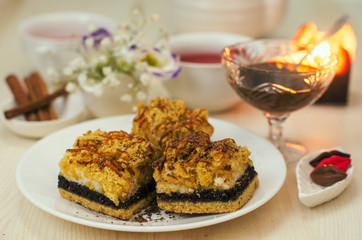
{"x": 332, "y": 63}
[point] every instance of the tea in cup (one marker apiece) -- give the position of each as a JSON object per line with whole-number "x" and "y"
{"x": 51, "y": 40}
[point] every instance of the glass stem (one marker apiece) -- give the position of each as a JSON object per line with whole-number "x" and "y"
{"x": 276, "y": 124}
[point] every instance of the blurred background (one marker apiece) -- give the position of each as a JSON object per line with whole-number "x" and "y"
{"x": 258, "y": 19}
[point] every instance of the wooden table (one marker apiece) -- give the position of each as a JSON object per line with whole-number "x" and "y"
{"x": 283, "y": 217}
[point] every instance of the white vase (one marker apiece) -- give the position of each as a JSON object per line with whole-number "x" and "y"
{"x": 109, "y": 103}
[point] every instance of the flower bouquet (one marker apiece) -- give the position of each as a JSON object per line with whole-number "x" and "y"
{"x": 124, "y": 59}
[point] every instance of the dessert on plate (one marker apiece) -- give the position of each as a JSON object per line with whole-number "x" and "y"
{"x": 162, "y": 119}
{"x": 115, "y": 172}
{"x": 109, "y": 172}
{"x": 196, "y": 175}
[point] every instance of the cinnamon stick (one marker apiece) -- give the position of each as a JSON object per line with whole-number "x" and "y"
{"x": 20, "y": 95}
{"x": 38, "y": 80}
{"x": 35, "y": 93}
{"x": 31, "y": 106}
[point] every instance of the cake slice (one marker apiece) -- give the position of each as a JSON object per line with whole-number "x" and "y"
{"x": 162, "y": 119}
{"x": 196, "y": 175}
{"x": 109, "y": 172}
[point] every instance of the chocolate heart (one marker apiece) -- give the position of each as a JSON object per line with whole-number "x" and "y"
{"x": 327, "y": 175}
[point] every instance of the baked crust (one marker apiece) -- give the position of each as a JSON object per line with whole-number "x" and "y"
{"x": 124, "y": 214}
{"x": 210, "y": 207}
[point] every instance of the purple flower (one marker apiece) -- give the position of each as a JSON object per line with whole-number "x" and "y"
{"x": 167, "y": 66}
{"x": 97, "y": 37}
{"x": 168, "y": 74}
{"x": 133, "y": 47}
{"x": 176, "y": 72}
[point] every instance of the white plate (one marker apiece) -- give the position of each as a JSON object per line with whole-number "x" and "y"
{"x": 37, "y": 172}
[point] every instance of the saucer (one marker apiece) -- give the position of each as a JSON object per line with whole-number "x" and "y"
{"x": 312, "y": 194}
{"x": 69, "y": 111}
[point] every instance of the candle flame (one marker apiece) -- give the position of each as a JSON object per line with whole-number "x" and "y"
{"x": 343, "y": 43}
{"x": 319, "y": 55}
{"x": 322, "y": 50}
{"x": 304, "y": 58}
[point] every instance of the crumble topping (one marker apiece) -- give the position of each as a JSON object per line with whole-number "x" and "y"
{"x": 112, "y": 163}
{"x": 195, "y": 162}
{"x": 161, "y": 120}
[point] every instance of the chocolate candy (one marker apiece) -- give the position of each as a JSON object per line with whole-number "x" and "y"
{"x": 330, "y": 167}
{"x": 324, "y": 155}
{"x": 327, "y": 175}
{"x": 340, "y": 162}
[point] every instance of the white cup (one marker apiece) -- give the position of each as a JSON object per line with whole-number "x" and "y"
{"x": 51, "y": 40}
{"x": 203, "y": 85}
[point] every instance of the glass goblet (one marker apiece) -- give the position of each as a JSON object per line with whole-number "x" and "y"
{"x": 278, "y": 77}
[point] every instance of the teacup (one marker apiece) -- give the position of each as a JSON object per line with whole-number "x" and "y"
{"x": 202, "y": 82}
{"x": 51, "y": 40}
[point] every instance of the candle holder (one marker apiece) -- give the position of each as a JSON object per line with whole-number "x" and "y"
{"x": 337, "y": 92}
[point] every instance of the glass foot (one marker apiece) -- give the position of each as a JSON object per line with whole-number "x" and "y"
{"x": 292, "y": 151}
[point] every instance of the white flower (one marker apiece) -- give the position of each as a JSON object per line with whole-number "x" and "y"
{"x": 141, "y": 96}
{"x": 89, "y": 42}
{"x": 98, "y": 90}
{"x": 136, "y": 11}
{"x": 94, "y": 61}
{"x": 77, "y": 63}
{"x": 92, "y": 86}
{"x": 51, "y": 72}
{"x": 82, "y": 78}
{"x": 105, "y": 43}
{"x": 102, "y": 59}
{"x": 117, "y": 39}
{"x": 145, "y": 79}
{"x": 67, "y": 71}
{"x": 141, "y": 66}
{"x": 167, "y": 65}
{"x": 70, "y": 87}
{"x": 113, "y": 80}
{"x": 92, "y": 28}
{"x": 129, "y": 57}
{"x": 126, "y": 98}
{"x": 106, "y": 70}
